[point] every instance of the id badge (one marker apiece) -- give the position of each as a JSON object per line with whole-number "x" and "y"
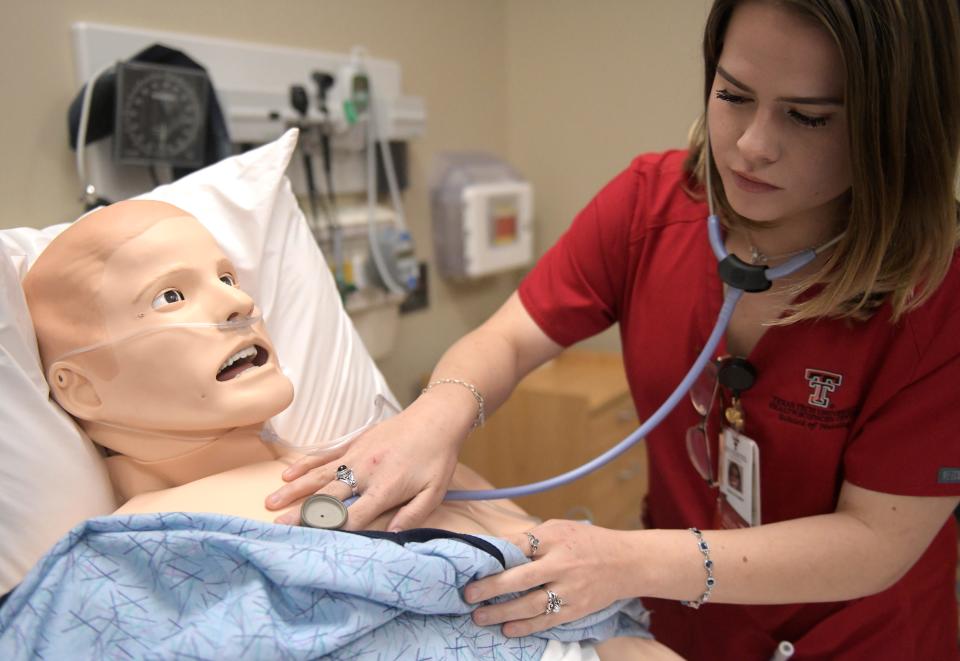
{"x": 738, "y": 505}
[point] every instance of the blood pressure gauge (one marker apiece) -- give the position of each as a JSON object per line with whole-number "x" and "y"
{"x": 161, "y": 115}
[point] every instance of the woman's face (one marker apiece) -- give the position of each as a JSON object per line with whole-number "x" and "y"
{"x": 776, "y": 116}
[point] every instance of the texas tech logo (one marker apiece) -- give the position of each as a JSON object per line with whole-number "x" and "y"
{"x": 821, "y": 385}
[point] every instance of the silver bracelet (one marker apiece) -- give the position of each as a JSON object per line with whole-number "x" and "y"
{"x": 708, "y": 565}
{"x": 481, "y": 412}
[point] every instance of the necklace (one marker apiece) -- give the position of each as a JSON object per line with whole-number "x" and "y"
{"x": 757, "y": 256}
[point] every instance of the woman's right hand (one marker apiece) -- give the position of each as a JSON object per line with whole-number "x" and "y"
{"x": 406, "y": 461}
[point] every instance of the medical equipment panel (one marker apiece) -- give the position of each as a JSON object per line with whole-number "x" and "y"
{"x": 252, "y": 82}
{"x": 353, "y": 126}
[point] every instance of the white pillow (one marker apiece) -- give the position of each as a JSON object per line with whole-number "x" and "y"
{"x": 51, "y": 476}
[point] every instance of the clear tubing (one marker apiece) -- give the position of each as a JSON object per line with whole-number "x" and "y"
{"x": 378, "y": 259}
{"x": 89, "y": 191}
{"x": 159, "y": 434}
{"x": 245, "y": 322}
{"x": 392, "y": 184}
{"x": 379, "y": 404}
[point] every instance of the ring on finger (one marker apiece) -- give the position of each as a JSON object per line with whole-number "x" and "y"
{"x": 554, "y": 602}
{"x": 534, "y": 543}
{"x": 346, "y": 476}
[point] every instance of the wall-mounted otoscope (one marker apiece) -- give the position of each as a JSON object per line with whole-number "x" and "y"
{"x": 324, "y": 82}
{"x": 301, "y": 104}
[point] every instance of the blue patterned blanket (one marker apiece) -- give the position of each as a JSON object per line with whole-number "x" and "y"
{"x": 205, "y": 586}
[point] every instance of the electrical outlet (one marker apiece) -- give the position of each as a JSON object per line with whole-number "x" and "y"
{"x": 417, "y": 299}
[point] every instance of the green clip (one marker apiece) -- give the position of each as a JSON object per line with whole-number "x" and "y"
{"x": 350, "y": 111}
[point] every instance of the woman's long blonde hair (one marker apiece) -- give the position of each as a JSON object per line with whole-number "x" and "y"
{"x": 902, "y": 95}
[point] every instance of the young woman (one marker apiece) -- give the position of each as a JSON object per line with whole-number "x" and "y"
{"x": 833, "y": 125}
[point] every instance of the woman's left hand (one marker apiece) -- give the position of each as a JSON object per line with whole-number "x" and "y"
{"x": 581, "y": 564}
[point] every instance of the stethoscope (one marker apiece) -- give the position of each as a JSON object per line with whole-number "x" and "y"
{"x": 739, "y": 276}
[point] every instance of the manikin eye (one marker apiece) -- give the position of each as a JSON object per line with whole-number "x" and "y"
{"x": 167, "y": 297}
{"x": 228, "y": 279}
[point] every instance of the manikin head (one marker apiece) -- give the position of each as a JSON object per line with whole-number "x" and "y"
{"x": 140, "y": 266}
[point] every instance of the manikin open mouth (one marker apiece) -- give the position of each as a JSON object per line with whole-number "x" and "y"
{"x": 252, "y": 356}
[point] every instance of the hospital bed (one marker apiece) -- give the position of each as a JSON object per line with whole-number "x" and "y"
{"x": 151, "y": 586}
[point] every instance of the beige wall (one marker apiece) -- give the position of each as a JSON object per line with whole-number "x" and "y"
{"x": 567, "y": 90}
{"x": 589, "y": 86}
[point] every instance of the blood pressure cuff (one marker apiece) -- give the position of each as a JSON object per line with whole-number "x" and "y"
{"x": 419, "y": 535}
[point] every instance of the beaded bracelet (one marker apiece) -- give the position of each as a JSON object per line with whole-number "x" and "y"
{"x": 708, "y": 565}
{"x": 481, "y": 412}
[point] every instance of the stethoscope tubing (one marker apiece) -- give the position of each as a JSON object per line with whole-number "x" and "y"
{"x": 731, "y": 298}
{"x": 651, "y": 423}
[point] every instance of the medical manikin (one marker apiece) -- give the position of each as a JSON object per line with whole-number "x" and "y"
{"x": 148, "y": 340}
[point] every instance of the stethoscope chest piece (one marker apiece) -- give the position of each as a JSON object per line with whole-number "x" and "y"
{"x": 323, "y": 511}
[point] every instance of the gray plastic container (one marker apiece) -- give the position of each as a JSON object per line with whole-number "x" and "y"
{"x": 452, "y": 172}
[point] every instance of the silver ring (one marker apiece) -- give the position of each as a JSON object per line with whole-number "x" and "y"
{"x": 534, "y": 543}
{"x": 346, "y": 476}
{"x": 554, "y": 602}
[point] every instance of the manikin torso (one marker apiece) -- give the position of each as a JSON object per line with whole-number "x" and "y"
{"x": 241, "y": 491}
{"x": 232, "y": 475}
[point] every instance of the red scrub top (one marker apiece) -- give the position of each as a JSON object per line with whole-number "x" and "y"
{"x": 887, "y": 419}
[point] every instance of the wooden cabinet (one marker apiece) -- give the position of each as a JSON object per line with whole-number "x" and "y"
{"x": 560, "y": 416}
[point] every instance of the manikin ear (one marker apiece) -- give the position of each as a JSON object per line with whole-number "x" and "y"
{"x": 74, "y": 391}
